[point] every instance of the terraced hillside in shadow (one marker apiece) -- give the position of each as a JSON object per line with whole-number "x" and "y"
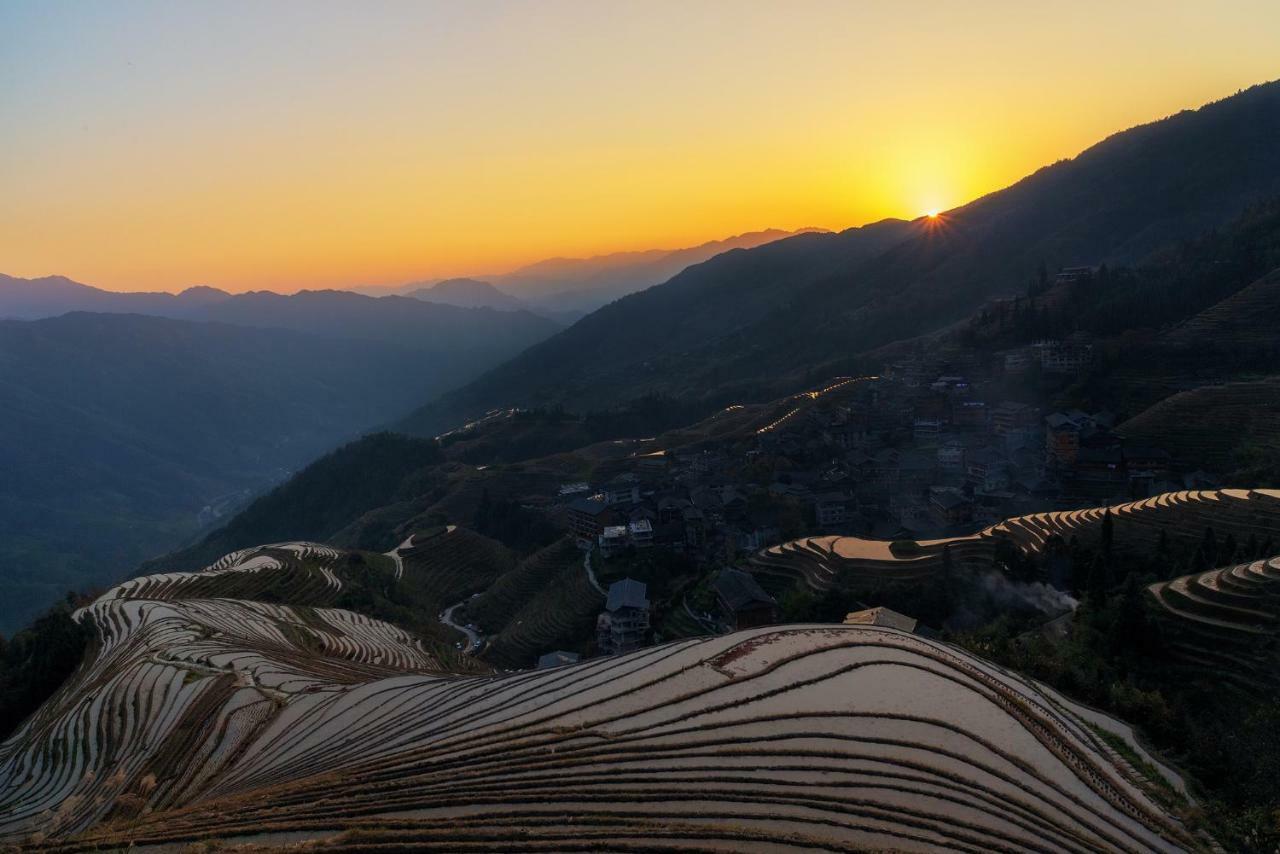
{"x": 544, "y": 603}
{"x": 1225, "y": 623}
{"x": 823, "y": 562}
{"x": 1213, "y": 426}
{"x": 1244, "y": 321}
{"x": 214, "y": 718}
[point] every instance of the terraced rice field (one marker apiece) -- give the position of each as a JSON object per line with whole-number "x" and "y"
{"x": 1226, "y": 623}
{"x": 821, "y": 562}
{"x": 208, "y": 717}
{"x": 206, "y": 712}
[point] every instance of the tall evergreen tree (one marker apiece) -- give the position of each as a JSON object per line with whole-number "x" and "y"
{"x": 1229, "y": 550}
{"x": 1099, "y": 579}
{"x": 1208, "y": 549}
{"x": 1108, "y": 533}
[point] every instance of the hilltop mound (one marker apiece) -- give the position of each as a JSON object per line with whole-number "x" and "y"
{"x": 468, "y": 293}
{"x": 199, "y": 718}
{"x": 824, "y": 562}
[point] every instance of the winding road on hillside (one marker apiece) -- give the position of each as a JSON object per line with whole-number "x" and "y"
{"x": 473, "y": 638}
{"x": 806, "y": 397}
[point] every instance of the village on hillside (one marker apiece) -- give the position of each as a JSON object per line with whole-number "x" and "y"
{"x": 946, "y": 441}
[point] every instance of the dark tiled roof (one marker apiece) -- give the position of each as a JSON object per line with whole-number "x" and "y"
{"x": 589, "y": 506}
{"x": 557, "y": 658}
{"x": 739, "y": 590}
{"x": 948, "y": 500}
{"x": 627, "y": 593}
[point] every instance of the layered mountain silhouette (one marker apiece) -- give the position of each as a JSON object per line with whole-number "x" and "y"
{"x": 565, "y": 289}
{"x": 409, "y": 322}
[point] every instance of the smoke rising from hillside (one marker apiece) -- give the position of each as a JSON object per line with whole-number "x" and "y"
{"x": 1038, "y": 595}
{"x": 984, "y": 597}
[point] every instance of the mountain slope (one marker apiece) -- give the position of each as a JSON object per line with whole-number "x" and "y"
{"x": 321, "y": 499}
{"x": 708, "y": 327}
{"x": 456, "y": 336}
{"x": 643, "y": 340}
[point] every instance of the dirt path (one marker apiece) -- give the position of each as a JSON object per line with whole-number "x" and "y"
{"x": 591, "y": 574}
{"x": 394, "y": 554}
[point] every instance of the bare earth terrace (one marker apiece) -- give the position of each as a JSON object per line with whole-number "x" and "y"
{"x": 823, "y": 562}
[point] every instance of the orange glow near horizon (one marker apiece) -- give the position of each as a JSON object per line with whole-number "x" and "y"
{"x": 287, "y": 145}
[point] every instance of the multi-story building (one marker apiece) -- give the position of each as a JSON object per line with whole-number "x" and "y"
{"x": 951, "y": 456}
{"x": 969, "y": 413}
{"x": 623, "y": 626}
{"x": 613, "y": 539}
{"x": 987, "y": 470}
{"x": 1064, "y": 357}
{"x": 622, "y": 490}
{"x": 640, "y": 532}
{"x": 1009, "y": 416}
{"x": 588, "y": 517}
{"x": 1016, "y": 361}
{"x": 926, "y": 430}
{"x": 831, "y": 509}
{"x": 949, "y": 505}
{"x": 1062, "y": 439}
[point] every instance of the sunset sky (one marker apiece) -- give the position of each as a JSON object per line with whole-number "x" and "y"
{"x": 311, "y": 144}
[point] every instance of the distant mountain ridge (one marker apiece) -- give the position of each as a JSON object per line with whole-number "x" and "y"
{"x": 49, "y": 296}
{"x": 758, "y": 320}
{"x": 447, "y": 330}
{"x": 578, "y": 283}
{"x": 568, "y": 288}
